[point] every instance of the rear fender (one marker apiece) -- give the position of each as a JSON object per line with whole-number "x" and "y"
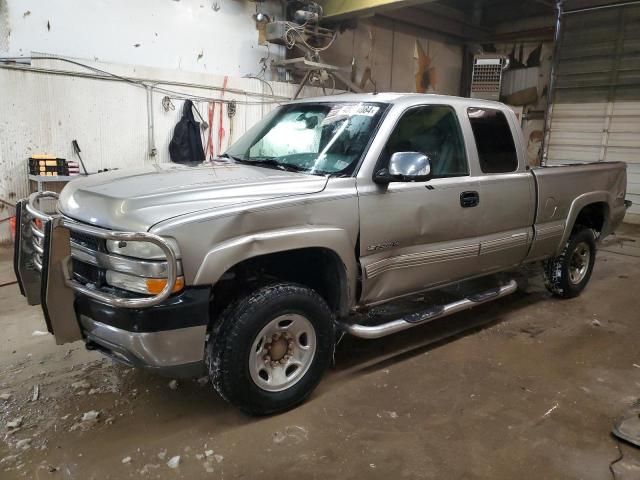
{"x": 577, "y": 205}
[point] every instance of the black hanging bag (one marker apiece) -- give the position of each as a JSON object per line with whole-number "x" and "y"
{"x": 186, "y": 144}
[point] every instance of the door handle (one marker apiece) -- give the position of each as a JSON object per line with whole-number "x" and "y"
{"x": 469, "y": 199}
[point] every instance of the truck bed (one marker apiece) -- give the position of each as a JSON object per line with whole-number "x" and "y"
{"x": 562, "y": 193}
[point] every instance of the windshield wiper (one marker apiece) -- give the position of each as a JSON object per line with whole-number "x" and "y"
{"x": 271, "y": 162}
{"x": 230, "y": 157}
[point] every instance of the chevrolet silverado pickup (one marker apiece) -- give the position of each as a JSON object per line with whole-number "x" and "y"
{"x": 247, "y": 267}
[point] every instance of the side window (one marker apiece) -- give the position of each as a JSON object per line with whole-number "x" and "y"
{"x": 434, "y": 131}
{"x": 496, "y": 150}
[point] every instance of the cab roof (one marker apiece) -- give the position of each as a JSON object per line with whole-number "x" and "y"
{"x": 403, "y": 99}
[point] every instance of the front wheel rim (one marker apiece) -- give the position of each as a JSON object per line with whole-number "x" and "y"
{"x": 579, "y": 263}
{"x": 282, "y": 352}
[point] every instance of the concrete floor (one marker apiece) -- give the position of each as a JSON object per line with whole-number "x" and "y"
{"x": 527, "y": 387}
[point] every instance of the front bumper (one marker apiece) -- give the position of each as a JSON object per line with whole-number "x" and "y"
{"x": 167, "y": 339}
{"x": 165, "y": 332}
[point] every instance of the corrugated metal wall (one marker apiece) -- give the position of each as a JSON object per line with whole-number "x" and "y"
{"x": 595, "y": 115}
{"x": 43, "y": 111}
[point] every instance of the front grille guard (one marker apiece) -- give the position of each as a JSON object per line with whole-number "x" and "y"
{"x": 43, "y": 258}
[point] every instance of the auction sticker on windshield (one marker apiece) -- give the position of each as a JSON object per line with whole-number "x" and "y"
{"x": 340, "y": 112}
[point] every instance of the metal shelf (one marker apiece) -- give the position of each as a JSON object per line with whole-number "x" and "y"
{"x": 42, "y": 179}
{"x": 52, "y": 178}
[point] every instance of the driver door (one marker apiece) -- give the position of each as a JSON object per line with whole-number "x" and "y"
{"x": 417, "y": 235}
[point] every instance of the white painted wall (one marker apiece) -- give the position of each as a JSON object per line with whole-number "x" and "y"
{"x": 180, "y": 34}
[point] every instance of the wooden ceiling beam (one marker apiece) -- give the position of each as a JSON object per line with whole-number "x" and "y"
{"x": 438, "y": 23}
{"x": 347, "y": 9}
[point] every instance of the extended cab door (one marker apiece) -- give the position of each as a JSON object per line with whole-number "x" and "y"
{"x": 506, "y": 186}
{"x": 415, "y": 235}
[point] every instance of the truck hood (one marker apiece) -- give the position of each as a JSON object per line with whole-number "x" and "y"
{"x": 136, "y": 199}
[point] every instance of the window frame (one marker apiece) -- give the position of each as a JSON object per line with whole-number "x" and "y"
{"x": 380, "y": 160}
{"x": 511, "y": 134}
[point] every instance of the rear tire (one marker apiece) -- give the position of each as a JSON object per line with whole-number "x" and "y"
{"x": 568, "y": 274}
{"x": 286, "y": 321}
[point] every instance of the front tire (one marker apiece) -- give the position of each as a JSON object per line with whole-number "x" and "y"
{"x": 568, "y": 274}
{"x": 269, "y": 349}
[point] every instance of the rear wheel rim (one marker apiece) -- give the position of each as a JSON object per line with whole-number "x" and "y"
{"x": 282, "y": 352}
{"x": 579, "y": 263}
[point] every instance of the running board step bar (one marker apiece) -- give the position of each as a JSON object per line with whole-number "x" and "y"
{"x": 431, "y": 313}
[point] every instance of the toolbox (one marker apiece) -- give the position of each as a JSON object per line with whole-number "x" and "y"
{"x": 48, "y": 165}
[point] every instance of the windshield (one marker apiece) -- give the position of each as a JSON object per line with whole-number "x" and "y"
{"x": 318, "y": 138}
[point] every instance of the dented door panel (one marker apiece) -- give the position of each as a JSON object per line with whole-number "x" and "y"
{"x": 414, "y": 235}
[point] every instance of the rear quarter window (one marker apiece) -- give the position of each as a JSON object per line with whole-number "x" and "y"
{"x": 494, "y": 140}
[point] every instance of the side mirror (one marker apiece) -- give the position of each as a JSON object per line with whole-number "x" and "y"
{"x": 405, "y": 167}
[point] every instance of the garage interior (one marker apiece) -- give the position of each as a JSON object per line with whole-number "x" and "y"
{"x": 527, "y": 386}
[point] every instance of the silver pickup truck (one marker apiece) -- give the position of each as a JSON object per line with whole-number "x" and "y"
{"x": 247, "y": 267}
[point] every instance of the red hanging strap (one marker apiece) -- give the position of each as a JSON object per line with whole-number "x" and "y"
{"x": 221, "y": 132}
{"x": 209, "y": 152}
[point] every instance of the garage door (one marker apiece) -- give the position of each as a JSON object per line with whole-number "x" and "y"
{"x": 595, "y": 114}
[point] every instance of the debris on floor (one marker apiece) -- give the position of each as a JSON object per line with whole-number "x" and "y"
{"x": 389, "y": 414}
{"x": 146, "y": 470}
{"x": 90, "y": 416}
{"x": 80, "y": 385}
{"x": 291, "y": 435}
{"x": 174, "y": 462}
{"x": 16, "y": 423}
{"x": 23, "y": 444}
{"x": 550, "y": 411}
{"x": 36, "y": 393}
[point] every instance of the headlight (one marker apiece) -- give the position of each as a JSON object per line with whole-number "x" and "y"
{"x": 146, "y": 250}
{"x": 148, "y": 286}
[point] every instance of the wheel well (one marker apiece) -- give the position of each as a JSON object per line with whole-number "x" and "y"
{"x": 318, "y": 268}
{"x": 592, "y": 216}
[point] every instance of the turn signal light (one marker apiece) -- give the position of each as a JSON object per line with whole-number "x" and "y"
{"x": 156, "y": 285}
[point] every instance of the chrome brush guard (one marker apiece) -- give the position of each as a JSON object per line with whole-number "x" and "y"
{"x": 43, "y": 267}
